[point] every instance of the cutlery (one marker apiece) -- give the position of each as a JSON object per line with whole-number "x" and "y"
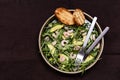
{"x": 80, "y": 55}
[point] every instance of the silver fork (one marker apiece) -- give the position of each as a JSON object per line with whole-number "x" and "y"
{"x": 80, "y": 55}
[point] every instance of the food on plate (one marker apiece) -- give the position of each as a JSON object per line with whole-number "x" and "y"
{"x": 60, "y": 43}
{"x": 64, "y": 16}
{"x": 79, "y": 17}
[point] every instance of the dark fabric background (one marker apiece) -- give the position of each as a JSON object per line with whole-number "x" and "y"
{"x": 20, "y": 23}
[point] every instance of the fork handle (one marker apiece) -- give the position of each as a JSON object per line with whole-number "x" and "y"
{"x": 89, "y": 32}
{"x": 97, "y": 40}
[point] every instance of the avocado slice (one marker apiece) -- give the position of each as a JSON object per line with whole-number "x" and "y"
{"x": 51, "y": 47}
{"x": 56, "y": 27}
{"x": 63, "y": 59}
{"x": 89, "y": 58}
{"x": 77, "y": 43}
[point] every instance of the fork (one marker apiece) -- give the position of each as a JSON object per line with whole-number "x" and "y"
{"x": 81, "y": 53}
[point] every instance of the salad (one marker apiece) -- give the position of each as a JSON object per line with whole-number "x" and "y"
{"x": 60, "y": 43}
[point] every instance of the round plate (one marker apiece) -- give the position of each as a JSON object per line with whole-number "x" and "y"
{"x": 89, "y": 18}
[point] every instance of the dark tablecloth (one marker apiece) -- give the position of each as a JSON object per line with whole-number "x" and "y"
{"x": 20, "y": 23}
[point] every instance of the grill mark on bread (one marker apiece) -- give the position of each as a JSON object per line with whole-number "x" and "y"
{"x": 64, "y": 16}
{"x": 68, "y": 18}
{"x": 79, "y": 17}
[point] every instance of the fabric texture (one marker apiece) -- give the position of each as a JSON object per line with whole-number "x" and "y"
{"x": 20, "y": 23}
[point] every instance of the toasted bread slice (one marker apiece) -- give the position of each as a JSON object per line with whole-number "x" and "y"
{"x": 64, "y": 16}
{"x": 79, "y": 17}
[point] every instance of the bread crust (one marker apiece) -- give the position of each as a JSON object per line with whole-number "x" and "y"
{"x": 64, "y": 16}
{"x": 79, "y": 17}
